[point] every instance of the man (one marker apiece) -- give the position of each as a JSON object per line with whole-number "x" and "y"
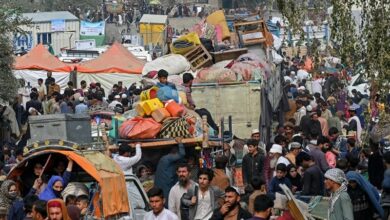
{"x": 313, "y": 124}
{"x": 116, "y": 101}
{"x": 124, "y": 159}
{"x": 220, "y": 180}
{"x": 181, "y": 187}
{"x": 121, "y": 88}
{"x": 340, "y": 206}
{"x": 53, "y": 87}
{"x": 323, "y": 123}
{"x": 34, "y": 103}
{"x": 39, "y": 210}
{"x": 255, "y": 134}
{"x": 259, "y": 187}
{"x": 69, "y": 91}
{"x": 294, "y": 149}
{"x": 354, "y": 124}
{"x": 339, "y": 142}
{"x": 231, "y": 208}
{"x": 336, "y": 121}
{"x": 326, "y": 113}
{"x": 42, "y": 90}
{"x": 49, "y": 80}
{"x": 312, "y": 178}
{"x": 165, "y": 176}
{"x": 83, "y": 89}
{"x": 203, "y": 199}
{"x": 301, "y": 111}
{"x": 276, "y": 152}
{"x": 81, "y": 108}
{"x": 156, "y": 201}
{"x": 263, "y": 208}
{"x": 316, "y": 152}
{"x": 252, "y": 163}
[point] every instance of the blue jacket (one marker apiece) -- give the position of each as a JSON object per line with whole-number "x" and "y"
{"x": 165, "y": 176}
{"x": 274, "y": 185}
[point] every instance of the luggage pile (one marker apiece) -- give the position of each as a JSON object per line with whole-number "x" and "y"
{"x": 161, "y": 114}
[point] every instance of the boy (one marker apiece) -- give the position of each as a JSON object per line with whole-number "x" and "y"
{"x": 163, "y": 79}
{"x": 82, "y": 204}
{"x": 281, "y": 171}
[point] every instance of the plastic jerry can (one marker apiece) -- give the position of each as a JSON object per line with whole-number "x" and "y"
{"x": 174, "y": 109}
{"x": 151, "y": 105}
{"x": 160, "y": 114}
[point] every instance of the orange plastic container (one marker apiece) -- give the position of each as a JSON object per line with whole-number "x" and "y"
{"x": 148, "y": 106}
{"x": 160, "y": 114}
{"x": 174, "y": 109}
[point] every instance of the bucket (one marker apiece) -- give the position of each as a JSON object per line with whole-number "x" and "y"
{"x": 174, "y": 109}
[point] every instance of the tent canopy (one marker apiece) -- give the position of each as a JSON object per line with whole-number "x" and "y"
{"x": 41, "y": 59}
{"x": 117, "y": 59}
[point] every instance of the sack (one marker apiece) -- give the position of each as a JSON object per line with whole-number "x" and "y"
{"x": 172, "y": 63}
{"x": 184, "y": 209}
{"x": 175, "y": 127}
{"x": 212, "y": 75}
{"x": 139, "y": 128}
{"x": 166, "y": 93}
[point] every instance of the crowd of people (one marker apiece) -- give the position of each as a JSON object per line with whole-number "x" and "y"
{"x": 318, "y": 149}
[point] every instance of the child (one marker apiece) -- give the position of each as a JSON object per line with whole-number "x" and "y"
{"x": 82, "y": 204}
{"x": 70, "y": 200}
{"x": 279, "y": 178}
{"x": 163, "y": 79}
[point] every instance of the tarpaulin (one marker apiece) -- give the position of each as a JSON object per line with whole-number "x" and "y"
{"x": 117, "y": 59}
{"x": 39, "y": 58}
{"x": 32, "y": 76}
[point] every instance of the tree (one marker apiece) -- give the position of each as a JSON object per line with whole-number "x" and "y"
{"x": 10, "y": 22}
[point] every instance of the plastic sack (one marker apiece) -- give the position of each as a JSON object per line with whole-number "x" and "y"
{"x": 166, "y": 93}
{"x": 277, "y": 42}
{"x": 139, "y": 128}
{"x": 173, "y": 63}
{"x": 277, "y": 59}
{"x": 192, "y": 39}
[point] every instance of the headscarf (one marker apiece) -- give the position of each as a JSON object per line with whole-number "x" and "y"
{"x": 369, "y": 189}
{"x": 337, "y": 176}
{"x": 49, "y": 193}
{"x": 6, "y": 199}
{"x": 59, "y": 203}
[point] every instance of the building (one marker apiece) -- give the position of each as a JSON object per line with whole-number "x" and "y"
{"x": 59, "y": 29}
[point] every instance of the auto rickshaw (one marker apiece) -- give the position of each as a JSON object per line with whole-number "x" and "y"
{"x": 107, "y": 186}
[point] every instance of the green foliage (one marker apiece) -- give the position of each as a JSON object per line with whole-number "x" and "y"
{"x": 10, "y": 21}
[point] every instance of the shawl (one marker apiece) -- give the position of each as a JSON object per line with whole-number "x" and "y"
{"x": 369, "y": 189}
{"x": 5, "y": 199}
{"x": 48, "y": 193}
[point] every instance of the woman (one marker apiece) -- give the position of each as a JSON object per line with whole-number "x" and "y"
{"x": 364, "y": 196}
{"x": 8, "y": 195}
{"x": 294, "y": 177}
{"x": 56, "y": 210}
{"x": 53, "y": 189}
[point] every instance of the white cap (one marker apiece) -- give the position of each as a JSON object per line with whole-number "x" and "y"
{"x": 301, "y": 88}
{"x": 117, "y": 97}
{"x": 255, "y": 131}
{"x": 309, "y": 108}
{"x": 81, "y": 99}
{"x": 276, "y": 148}
{"x": 292, "y": 72}
{"x": 124, "y": 96}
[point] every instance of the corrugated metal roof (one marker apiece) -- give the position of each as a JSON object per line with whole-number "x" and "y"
{"x": 48, "y": 16}
{"x": 154, "y": 19}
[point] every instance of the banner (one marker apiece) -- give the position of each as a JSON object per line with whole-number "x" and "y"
{"x": 57, "y": 25}
{"x": 92, "y": 29}
{"x": 23, "y": 42}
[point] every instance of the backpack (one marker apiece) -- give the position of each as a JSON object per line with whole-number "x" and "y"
{"x": 184, "y": 209}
